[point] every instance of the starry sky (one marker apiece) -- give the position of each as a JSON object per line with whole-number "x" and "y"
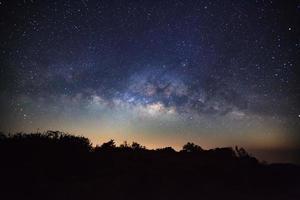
{"x": 217, "y": 73}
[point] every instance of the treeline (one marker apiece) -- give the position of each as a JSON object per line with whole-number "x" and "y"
{"x": 59, "y": 142}
{"x": 56, "y": 165}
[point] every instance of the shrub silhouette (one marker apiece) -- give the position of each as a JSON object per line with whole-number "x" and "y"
{"x": 225, "y": 152}
{"x": 166, "y": 149}
{"x": 51, "y": 141}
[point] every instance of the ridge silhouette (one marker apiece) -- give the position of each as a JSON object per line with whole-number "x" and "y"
{"x": 56, "y": 165}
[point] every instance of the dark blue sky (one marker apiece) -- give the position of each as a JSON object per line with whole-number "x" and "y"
{"x": 161, "y": 72}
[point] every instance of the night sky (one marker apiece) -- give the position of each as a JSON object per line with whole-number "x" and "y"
{"x": 162, "y": 73}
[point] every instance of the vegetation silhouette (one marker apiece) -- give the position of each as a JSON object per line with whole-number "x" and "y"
{"x": 56, "y": 165}
{"x": 191, "y": 147}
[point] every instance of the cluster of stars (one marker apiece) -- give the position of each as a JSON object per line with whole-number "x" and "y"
{"x": 185, "y": 66}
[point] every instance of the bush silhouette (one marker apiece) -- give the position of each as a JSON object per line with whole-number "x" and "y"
{"x": 166, "y": 149}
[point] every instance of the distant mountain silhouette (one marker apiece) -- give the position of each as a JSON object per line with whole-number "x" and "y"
{"x": 56, "y": 165}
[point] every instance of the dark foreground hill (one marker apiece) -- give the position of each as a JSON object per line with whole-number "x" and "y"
{"x": 55, "y": 165}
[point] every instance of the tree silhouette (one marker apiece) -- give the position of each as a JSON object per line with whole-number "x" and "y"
{"x": 124, "y": 145}
{"x": 106, "y": 146}
{"x": 245, "y": 157}
{"x": 191, "y": 147}
{"x": 136, "y": 146}
{"x": 241, "y": 152}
